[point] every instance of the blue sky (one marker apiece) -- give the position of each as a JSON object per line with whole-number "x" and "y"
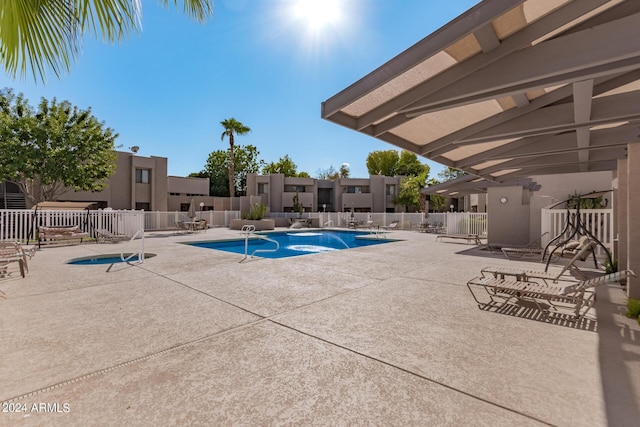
{"x": 167, "y": 88}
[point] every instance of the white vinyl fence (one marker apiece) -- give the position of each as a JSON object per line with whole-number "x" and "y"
{"x": 21, "y": 224}
{"x": 157, "y": 220}
{"x": 451, "y": 222}
{"x": 599, "y": 222}
{"x": 405, "y": 221}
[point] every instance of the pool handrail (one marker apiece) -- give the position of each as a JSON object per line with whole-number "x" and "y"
{"x": 266, "y": 250}
{"x": 249, "y": 231}
{"x": 140, "y": 254}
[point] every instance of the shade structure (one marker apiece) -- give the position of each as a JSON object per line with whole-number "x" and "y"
{"x": 510, "y": 89}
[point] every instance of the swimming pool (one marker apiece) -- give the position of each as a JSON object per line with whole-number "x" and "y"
{"x": 105, "y": 259}
{"x": 295, "y": 243}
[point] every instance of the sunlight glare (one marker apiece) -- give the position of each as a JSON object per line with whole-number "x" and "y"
{"x": 317, "y": 13}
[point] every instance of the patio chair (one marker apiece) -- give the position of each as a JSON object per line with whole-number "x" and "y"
{"x": 472, "y": 238}
{"x": 533, "y": 244}
{"x": 201, "y": 225}
{"x": 12, "y": 252}
{"x": 526, "y": 275}
{"x": 575, "y": 299}
{"x": 183, "y": 226}
{"x": 103, "y": 235}
{"x": 534, "y": 249}
{"x": 392, "y": 226}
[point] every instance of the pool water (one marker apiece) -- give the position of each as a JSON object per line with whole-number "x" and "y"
{"x": 105, "y": 259}
{"x": 296, "y": 243}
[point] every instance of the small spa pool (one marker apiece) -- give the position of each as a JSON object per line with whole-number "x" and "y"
{"x": 294, "y": 243}
{"x": 106, "y": 259}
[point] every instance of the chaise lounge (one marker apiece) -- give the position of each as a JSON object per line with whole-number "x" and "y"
{"x": 575, "y": 299}
{"x": 103, "y": 236}
{"x": 526, "y": 274}
{"x": 470, "y": 238}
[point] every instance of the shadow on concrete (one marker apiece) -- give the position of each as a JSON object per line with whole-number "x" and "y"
{"x": 619, "y": 351}
{"x": 525, "y": 311}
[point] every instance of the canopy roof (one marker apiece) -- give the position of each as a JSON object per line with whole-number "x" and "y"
{"x": 511, "y": 88}
{"x": 470, "y": 184}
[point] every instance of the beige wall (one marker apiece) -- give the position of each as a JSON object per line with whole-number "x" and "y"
{"x": 559, "y": 187}
{"x": 280, "y": 200}
{"x": 357, "y": 201}
{"x": 217, "y": 203}
{"x": 188, "y": 185}
{"x": 520, "y": 223}
{"x": 305, "y": 199}
{"x": 507, "y": 223}
{"x": 123, "y": 192}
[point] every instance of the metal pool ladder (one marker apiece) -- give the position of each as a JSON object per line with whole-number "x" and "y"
{"x": 140, "y": 253}
{"x": 249, "y": 231}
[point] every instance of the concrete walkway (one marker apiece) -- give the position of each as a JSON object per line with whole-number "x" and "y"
{"x": 381, "y": 335}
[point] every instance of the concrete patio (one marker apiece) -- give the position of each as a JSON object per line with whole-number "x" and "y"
{"x": 380, "y": 335}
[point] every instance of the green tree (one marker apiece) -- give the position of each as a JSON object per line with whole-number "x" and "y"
{"x": 47, "y": 34}
{"x": 382, "y": 162}
{"x": 232, "y": 127}
{"x": 245, "y": 161}
{"x": 450, "y": 173}
{"x": 436, "y": 202}
{"x": 392, "y": 163}
{"x": 330, "y": 173}
{"x": 344, "y": 170}
{"x": 53, "y": 149}
{"x": 410, "y": 195}
{"x": 409, "y": 165}
{"x": 284, "y": 165}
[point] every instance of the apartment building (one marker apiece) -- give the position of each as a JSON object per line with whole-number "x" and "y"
{"x": 143, "y": 183}
{"x": 138, "y": 183}
{"x": 374, "y": 194}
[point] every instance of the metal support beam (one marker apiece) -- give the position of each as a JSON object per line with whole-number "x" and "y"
{"x": 613, "y": 47}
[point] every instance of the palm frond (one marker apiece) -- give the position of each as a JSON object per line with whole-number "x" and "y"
{"x": 46, "y": 35}
{"x": 198, "y": 10}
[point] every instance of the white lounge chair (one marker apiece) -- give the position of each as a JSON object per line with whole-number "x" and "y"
{"x": 532, "y": 275}
{"x": 575, "y": 299}
{"x": 103, "y": 235}
{"x": 392, "y": 226}
{"x": 471, "y": 238}
{"x": 12, "y": 252}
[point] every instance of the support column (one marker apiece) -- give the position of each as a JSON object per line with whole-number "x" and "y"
{"x": 620, "y": 209}
{"x": 633, "y": 218}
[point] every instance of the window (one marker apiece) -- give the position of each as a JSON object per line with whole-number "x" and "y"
{"x": 142, "y": 176}
{"x": 294, "y": 188}
{"x": 391, "y": 190}
{"x": 145, "y": 206}
{"x": 263, "y": 188}
{"x": 355, "y": 189}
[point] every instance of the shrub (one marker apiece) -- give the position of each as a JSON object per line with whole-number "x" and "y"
{"x": 611, "y": 267}
{"x": 257, "y": 211}
{"x": 633, "y": 309}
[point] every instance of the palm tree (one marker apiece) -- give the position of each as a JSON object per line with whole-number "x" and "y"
{"x": 46, "y": 34}
{"x": 232, "y": 127}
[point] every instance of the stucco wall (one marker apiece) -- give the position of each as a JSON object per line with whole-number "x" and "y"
{"x": 507, "y": 223}
{"x": 559, "y": 187}
{"x": 188, "y": 185}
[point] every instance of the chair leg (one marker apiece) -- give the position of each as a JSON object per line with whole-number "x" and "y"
{"x": 21, "y": 264}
